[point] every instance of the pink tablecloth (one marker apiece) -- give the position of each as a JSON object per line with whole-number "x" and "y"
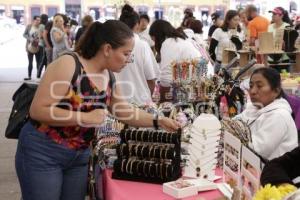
{"x": 129, "y": 190}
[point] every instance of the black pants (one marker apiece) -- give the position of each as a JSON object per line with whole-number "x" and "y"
{"x": 38, "y": 57}
{"x": 42, "y": 63}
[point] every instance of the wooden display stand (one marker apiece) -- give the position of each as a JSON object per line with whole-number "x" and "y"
{"x": 229, "y": 54}
{"x": 267, "y": 46}
{"x": 296, "y": 68}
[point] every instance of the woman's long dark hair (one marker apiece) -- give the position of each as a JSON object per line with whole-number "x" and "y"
{"x": 229, "y": 15}
{"x": 113, "y": 32}
{"x": 161, "y": 30}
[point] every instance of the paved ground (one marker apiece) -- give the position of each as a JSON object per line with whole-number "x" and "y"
{"x": 13, "y": 69}
{"x": 9, "y": 187}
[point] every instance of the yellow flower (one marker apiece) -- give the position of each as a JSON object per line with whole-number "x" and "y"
{"x": 268, "y": 193}
{"x": 274, "y": 193}
{"x": 286, "y": 189}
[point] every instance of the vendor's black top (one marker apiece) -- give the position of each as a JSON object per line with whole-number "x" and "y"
{"x": 283, "y": 169}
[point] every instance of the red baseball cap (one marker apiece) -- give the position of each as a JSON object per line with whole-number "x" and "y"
{"x": 277, "y": 11}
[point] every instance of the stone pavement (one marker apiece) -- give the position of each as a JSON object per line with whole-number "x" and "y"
{"x": 9, "y": 186}
{"x": 13, "y": 68}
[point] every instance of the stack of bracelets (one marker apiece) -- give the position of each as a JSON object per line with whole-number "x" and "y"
{"x": 148, "y": 156}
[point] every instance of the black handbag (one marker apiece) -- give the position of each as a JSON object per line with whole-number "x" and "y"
{"x": 20, "y": 111}
{"x": 22, "y": 99}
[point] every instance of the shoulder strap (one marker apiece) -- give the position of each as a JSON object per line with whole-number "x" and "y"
{"x": 78, "y": 66}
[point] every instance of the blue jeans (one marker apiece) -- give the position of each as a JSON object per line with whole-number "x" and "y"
{"x": 50, "y": 171}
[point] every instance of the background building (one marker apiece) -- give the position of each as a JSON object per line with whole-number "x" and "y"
{"x": 172, "y": 10}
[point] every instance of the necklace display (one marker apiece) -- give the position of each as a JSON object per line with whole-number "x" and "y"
{"x": 186, "y": 76}
{"x": 203, "y": 139}
{"x": 107, "y": 138}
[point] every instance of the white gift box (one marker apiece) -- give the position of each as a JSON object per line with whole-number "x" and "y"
{"x": 170, "y": 189}
{"x": 203, "y": 184}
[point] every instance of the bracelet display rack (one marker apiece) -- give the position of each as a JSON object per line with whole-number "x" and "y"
{"x": 151, "y": 156}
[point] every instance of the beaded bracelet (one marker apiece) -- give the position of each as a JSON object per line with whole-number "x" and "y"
{"x": 166, "y": 153}
{"x": 152, "y": 169}
{"x": 142, "y": 151}
{"x": 161, "y": 171}
{"x": 136, "y": 149}
{"x": 137, "y": 167}
{"x": 150, "y": 149}
{"x": 160, "y": 153}
{"x": 144, "y": 169}
{"x": 161, "y": 136}
{"x": 127, "y": 166}
{"x": 122, "y": 165}
{"x": 131, "y": 166}
{"x": 157, "y": 169}
{"x": 166, "y": 167}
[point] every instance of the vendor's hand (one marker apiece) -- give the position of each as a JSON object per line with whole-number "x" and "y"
{"x": 168, "y": 124}
{"x": 94, "y": 118}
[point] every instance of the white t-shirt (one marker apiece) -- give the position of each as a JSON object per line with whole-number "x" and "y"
{"x": 224, "y": 40}
{"x": 34, "y": 32}
{"x": 278, "y": 32}
{"x": 271, "y": 28}
{"x": 146, "y": 37}
{"x": 133, "y": 78}
{"x": 199, "y": 39}
{"x": 174, "y": 50}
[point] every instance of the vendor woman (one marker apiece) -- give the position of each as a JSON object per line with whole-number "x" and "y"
{"x": 269, "y": 116}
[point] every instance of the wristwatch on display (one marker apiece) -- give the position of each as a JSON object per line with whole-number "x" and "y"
{"x": 155, "y": 121}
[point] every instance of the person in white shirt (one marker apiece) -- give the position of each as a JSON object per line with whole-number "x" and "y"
{"x": 269, "y": 115}
{"x": 137, "y": 79}
{"x": 280, "y": 20}
{"x": 144, "y": 29}
{"x": 228, "y": 36}
{"x": 172, "y": 45}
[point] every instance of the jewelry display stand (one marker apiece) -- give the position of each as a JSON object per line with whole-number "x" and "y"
{"x": 204, "y": 140}
{"x": 151, "y": 156}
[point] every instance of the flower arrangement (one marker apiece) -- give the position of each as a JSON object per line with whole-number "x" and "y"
{"x": 269, "y": 192}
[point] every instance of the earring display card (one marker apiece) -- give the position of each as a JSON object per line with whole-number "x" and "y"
{"x": 250, "y": 173}
{"x": 232, "y": 153}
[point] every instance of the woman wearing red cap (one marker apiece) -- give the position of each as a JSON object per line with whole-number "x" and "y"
{"x": 280, "y": 20}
